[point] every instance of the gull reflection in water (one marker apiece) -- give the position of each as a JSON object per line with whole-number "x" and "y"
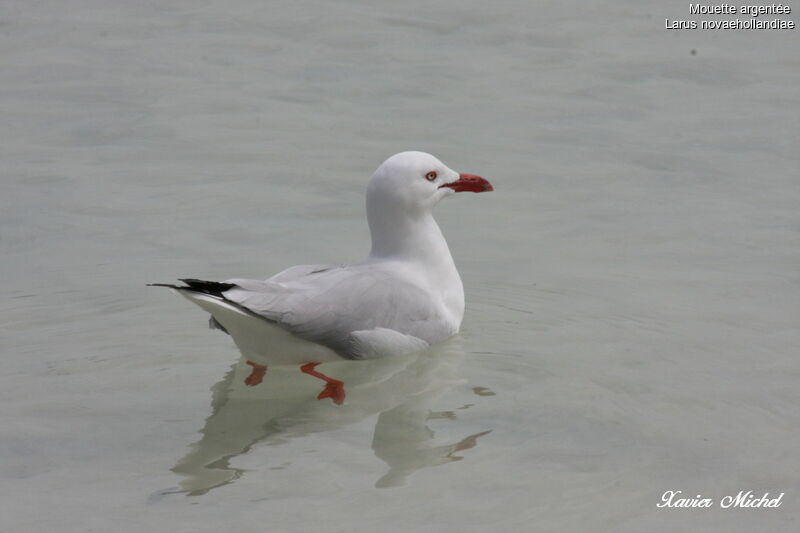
{"x": 284, "y": 406}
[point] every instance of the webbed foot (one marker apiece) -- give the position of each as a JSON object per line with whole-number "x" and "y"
{"x": 334, "y": 389}
{"x": 257, "y": 374}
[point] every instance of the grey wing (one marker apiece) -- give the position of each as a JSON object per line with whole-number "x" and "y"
{"x": 299, "y": 271}
{"x": 335, "y": 307}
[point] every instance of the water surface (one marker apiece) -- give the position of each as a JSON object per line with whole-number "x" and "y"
{"x": 632, "y": 283}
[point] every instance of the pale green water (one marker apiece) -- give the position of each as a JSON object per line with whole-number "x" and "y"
{"x": 632, "y": 283}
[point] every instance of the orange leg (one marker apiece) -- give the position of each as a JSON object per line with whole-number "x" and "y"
{"x": 257, "y": 375}
{"x": 334, "y": 389}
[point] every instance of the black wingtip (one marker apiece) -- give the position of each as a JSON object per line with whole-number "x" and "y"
{"x": 168, "y": 285}
{"x": 214, "y": 288}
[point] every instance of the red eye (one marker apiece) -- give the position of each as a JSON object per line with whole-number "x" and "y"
{"x": 430, "y": 176}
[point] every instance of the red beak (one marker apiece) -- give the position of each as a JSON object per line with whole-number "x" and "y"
{"x": 469, "y": 182}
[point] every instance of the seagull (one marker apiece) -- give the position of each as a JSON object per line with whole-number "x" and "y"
{"x": 405, "y": 296}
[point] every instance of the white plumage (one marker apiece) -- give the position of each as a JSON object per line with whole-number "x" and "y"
{"x": 405, "y": 296}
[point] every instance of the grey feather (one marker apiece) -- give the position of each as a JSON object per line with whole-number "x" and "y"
{"x": 334, "y": 306}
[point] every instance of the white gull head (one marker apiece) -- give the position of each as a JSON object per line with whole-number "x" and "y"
{"x": 400, "y": 196}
